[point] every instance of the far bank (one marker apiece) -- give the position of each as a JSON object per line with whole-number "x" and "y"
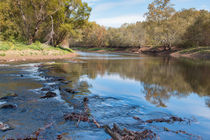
{"x": 202, "y": 52}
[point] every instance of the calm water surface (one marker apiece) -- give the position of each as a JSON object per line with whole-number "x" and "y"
{"x": 118, "y": 86}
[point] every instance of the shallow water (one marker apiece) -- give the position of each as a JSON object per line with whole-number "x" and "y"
{"x": 119, "y": 87}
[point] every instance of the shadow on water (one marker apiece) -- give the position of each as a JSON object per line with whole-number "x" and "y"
{"x": 120, "y": 87}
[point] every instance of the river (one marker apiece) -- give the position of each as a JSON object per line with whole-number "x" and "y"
{"x": 119, "y": 87}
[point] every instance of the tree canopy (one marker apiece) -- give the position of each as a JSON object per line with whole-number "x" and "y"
{"x": 57, "y": 21}
{"x": 50, "y": 21}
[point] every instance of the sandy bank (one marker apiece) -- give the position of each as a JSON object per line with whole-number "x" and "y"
{"x": 33, "y": 55}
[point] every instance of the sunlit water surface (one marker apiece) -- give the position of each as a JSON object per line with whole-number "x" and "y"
{"x": 119, "y": 87}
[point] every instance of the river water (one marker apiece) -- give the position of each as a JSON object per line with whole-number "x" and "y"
{"x": 118, "y": 86}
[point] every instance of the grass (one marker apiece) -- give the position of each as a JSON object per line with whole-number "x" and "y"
{"x": 201, "y": 49}
{"x": 37, "y": 46}
{"x": 2, "y": 54}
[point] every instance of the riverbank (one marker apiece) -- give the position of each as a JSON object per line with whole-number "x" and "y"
{"x": 14, "y": 51}
{"x": 192, "y": 53}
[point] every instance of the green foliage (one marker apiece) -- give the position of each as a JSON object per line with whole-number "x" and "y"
{"x": 198, "y": 33}
{"x": 4, "y": 46}
{"x": 159, "y": 26}
{"x": 2, "y": 54}
{"x": 196, "y": 50}
{"x": 186, "y": 28}
{"x": 49, "y": 21}
{"x": 58, "y": 23}
{"x": 93, "y": 35}
{"x": 36, "y": 46}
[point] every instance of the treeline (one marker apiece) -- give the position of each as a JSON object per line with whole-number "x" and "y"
{"x": 65, "y": 22}
{"x": 163, "y": 27}
{"x": 47, "y": 21}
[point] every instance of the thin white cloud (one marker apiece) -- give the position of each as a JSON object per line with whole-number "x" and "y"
{"x": 120, "y": 20}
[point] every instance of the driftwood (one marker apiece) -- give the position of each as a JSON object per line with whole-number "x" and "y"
{"x": 117, "y": 134}
{"x": 84, "y": 117}
{"x": 170, "y": 120}
{"x": 184, "y": 133}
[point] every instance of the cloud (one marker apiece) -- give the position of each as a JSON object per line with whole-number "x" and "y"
{"x": 118, "y": 21}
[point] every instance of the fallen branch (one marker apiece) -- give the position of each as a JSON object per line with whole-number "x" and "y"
{"x": 117, "y": 134}
{"x": 170, "y": 120}
{"x": 85, "y": 117}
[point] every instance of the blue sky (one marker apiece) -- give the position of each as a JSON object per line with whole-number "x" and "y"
{"x": 116, "y": 12}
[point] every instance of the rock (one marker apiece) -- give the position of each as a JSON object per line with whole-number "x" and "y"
{"x": 49, "y": 95}
{"x": 4, "y": 127}
{"x": 8, "y": 96}
{"x": 45, "y": 89}
{"x": 85, "y": 100}
{"x": 66, "y": 82}
{"x": 8, "y": 106}
{"x": 61, "y": 79}
{"x": 70, "y": 91}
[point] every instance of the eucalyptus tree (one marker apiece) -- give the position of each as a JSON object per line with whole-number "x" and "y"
{"x": 49, "y": 21}
{"x": 159, "y": 24}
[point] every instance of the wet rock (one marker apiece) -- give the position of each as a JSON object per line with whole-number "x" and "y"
{"x": 8, "y": 106}
{"x": 60, "y": 79}
{"x": 66, "y": 82}
{"x": 85, "y": 100}
{"x": 8, "y": 96}
{"x": 45, "y": 89}
{"x": 4, "y": 127}
{"x": 49, "y": 95}
{"x": 70, "y": 91}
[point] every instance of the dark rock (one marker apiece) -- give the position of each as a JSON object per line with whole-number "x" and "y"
{"x": 49, "y": 95}
{"x": 85, "y": 99}
{"x": 66, "y": 82}
{"x": 8, "y": 96}
{"x": 61, "y": 79}
{"x": 8, "y": 106}
{"x": 70, "y": 91}
{"x": 45, "y": 89}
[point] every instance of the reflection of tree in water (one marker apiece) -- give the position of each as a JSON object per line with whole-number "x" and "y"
{"x": 162, "y": 77}
{"x": 156, "y": 94}
{"x": 208, "y": 101}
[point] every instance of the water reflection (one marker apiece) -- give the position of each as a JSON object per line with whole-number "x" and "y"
{"x": 161, "y": 78}
{"x": 118, "y": 86}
